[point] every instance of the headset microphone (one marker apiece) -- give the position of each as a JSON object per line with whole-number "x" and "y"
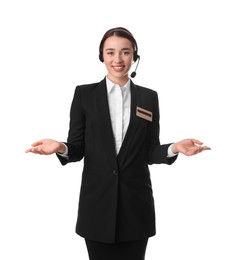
{"x": 133, "y": 74}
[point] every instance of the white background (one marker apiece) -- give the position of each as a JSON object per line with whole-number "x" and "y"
{"x": 189, "y": 55}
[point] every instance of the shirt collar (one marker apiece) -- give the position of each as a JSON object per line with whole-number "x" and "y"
{"x": 111, "y": 84}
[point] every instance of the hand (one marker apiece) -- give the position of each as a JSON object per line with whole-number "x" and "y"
{"x": 189, "y": 147}
{"x": 46, "y": 147}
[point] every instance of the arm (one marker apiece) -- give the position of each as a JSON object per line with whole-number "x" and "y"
{"x": 76, "y": 135}
{"x": 75, "y": 141}
{"x": 158, "y": 153}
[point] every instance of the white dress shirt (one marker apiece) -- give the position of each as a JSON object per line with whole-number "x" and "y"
{"x": 119, "y": 99}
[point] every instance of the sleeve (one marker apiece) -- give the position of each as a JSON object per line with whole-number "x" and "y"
{"x": 65, "y": 154}
{"x": 157, "y": 152}
{"x": 76, "y": 135}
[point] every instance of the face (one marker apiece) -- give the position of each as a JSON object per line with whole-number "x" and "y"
{"x": 118, "y": 57}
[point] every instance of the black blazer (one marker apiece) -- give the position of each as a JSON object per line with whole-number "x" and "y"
{"x": 116, "y": 200}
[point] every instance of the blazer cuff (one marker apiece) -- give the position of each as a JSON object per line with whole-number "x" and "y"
{"x": 63, "y": 157}
{"x": 159, "y": 154}
{"x": 170, "y": 152}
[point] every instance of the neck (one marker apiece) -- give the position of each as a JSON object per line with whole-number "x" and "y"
{"x": 119, "y": 81}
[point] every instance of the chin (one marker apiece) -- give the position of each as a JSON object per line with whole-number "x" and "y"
{"x": 120, "y": 74}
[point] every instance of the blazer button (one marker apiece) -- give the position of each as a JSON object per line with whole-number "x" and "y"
{"x": 115, "y": 172}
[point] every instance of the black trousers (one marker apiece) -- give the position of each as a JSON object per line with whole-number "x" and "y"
{"x": 134, "y": 250}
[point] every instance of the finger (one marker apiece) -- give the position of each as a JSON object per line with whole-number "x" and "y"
{"x": 206, "y": 148}
{"x": 194, "y": 150}
{"x": 196, "y": 141}
{"x": 32, "y": 150}
{"x": 201, "y": 149}
{"x": 37, "y": 143}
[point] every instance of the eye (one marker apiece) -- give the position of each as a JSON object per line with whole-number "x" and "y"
{"x": 110, "y": 53}
{"x": 126, "y": 52}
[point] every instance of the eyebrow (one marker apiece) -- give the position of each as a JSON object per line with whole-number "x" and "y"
{"x": 112, "y": 49}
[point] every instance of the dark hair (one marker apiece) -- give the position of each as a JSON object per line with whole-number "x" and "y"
{"x": 121, "y": 32}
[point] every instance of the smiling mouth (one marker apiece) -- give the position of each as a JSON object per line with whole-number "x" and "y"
{"x": 118, "y": 68}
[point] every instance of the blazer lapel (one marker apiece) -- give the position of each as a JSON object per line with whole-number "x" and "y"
{"x": 104, "y": 115}
{"x": 135, "y": 101}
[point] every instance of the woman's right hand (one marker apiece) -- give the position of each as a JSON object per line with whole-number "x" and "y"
{"x": 46, "y": 147}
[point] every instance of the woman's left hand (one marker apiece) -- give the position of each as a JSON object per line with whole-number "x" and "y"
{"x": 189, "y": 147}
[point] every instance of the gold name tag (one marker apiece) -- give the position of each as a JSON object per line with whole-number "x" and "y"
{"x": 145, "y": 114}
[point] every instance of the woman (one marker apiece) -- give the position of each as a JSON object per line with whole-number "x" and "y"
{"x": 114, "y": 126}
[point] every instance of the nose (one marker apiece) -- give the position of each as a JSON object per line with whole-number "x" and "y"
{"x": 118, "y": 58}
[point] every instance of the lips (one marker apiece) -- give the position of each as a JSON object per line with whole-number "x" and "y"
{"x": 118, "y": 68}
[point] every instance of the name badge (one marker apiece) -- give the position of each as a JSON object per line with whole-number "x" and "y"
{"x": 145, "y": 114}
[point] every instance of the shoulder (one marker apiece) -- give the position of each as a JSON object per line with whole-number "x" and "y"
{"x": 86, "y": 87}
{"x": 146, "y": 92}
